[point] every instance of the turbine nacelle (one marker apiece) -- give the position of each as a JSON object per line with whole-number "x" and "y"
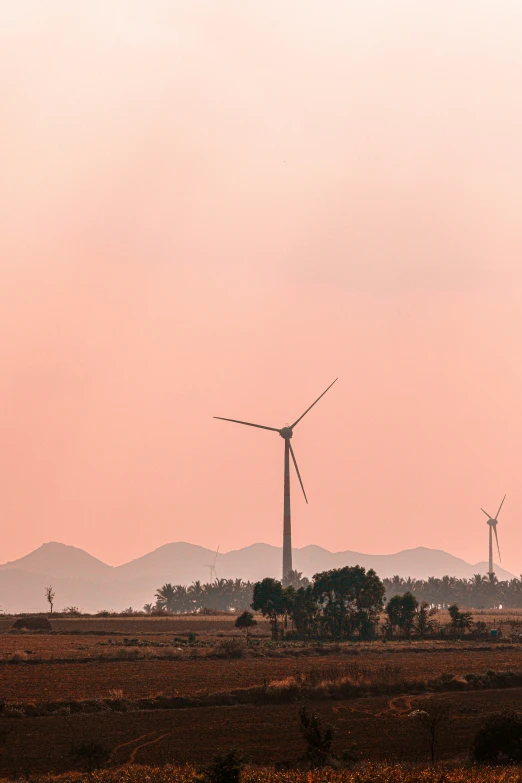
{"x": 491, "y": 522}
{"x": 286, "y": 432}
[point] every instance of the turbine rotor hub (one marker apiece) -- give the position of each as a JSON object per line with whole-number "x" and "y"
{"x": 286, "y": 433}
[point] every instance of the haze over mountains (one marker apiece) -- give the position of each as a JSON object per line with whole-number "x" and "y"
{"x": 82, "y": 580}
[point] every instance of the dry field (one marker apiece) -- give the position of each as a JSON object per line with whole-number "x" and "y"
{"x": 379, "y": 725}
{"x": 43, "y": 682}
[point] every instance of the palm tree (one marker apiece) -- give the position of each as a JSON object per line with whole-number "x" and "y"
{"x": 148, "y": 608}
{"x": 181, "y": 598}
{"x": 166, "y": 597}
{"x": 296, "y": 580}
{"x": 195, "y": 594}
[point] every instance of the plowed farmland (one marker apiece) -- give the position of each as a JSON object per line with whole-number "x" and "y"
{"x": 381, "y": 728}
{"x": 147, "y": 678}
{"x": 90, "y": 660}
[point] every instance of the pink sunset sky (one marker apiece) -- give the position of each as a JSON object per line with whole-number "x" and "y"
{"x": 216, "y": 208}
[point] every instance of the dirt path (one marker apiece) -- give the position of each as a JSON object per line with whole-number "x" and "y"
{"x": 131, "y": 742}
{"x": 132, "y": 757}
{"x": 399, "y": 704}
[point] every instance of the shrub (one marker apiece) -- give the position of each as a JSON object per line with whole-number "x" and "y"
{"x": 19, "y": 655}
{"x": 32, "y": 624}
{"x": 226, "y": 768}
{"x": 93, "y": 754}
{"x": 318, "y": 739}
{"x": 499, "y": 739}
{"x": 229, "y": 648}
{"x": 130, "y": 654}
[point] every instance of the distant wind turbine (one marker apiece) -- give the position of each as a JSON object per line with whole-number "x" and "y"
{"x": 286, "y": 433}
{"x": 212, "y": 568}
{"x": 492, "y": 522}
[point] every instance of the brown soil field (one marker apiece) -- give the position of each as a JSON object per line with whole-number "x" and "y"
{"x": 49, "y": 646}
{"x": 144, "y": 678}
{"x": 131, "y": 626}
{"x": 380, "y": 728}
{"x": 200, "y": 623}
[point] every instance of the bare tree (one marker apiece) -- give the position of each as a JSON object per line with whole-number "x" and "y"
{"x": 432, "y": 723}
{"x": 50, "y": 594}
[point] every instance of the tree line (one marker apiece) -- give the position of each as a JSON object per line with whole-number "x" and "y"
{"x": 479, "y": 592}
{"x": 341, "y": 603}
{"x": 223, "y": 595}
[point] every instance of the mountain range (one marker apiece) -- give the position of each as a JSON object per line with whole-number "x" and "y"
{"x": 81, "y": 580}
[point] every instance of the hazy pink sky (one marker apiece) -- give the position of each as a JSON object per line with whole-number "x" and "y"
{"x": 215, "y": 208}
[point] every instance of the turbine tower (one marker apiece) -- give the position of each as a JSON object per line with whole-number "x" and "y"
{"x": 212, "y": 567}
{"x": 286, "y": 433}
{"x": 492, "y": 522}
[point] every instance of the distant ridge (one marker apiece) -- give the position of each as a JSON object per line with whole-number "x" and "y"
{"x": 82, "y": 580}
{"x": 62, "y": 560}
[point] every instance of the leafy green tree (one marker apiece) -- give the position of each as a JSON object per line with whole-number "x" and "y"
{"x": 401, "y": 611}
{"x": 271, "y": 599}
{"x": 304, "y": 611}
{"x": 424, "y": 622}
{"x": 350, "y": 599}
{"x": 460, "y": 621}
{"x": 245, "y": 622}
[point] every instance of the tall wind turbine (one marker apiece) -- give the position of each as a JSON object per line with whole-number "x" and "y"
{"x": 492, "y": 522}
{"x": 286, "y": 433}
{"x": 212, "y": 567}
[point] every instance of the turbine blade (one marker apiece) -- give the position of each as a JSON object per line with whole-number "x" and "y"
{"x": 297, "y": 470}
{"x": 498, "y": 512}
{"x": 215, "y": 556}
{"x": 248, "y": 423}
{"x": 312, "y": 405}
{"x": 486, "y": 513}
{"x": 495, "y": 529}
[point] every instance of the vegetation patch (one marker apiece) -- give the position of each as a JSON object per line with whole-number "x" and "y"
{"x": 316, "y": 685}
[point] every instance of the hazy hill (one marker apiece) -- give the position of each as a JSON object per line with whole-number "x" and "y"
{"x": 180, "y": 562}
{"x": 61, "y": 560}
{"x": 419, "y": 563}
{"x": 84, "y": 581}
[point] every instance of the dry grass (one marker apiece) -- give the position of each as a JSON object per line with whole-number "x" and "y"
{"x": 365, "y": 773}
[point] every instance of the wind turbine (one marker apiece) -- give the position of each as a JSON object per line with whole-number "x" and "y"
{"x": 286, "y": 433}
{"x": 212, "y": 567}
{"x": 492, "y": 522}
